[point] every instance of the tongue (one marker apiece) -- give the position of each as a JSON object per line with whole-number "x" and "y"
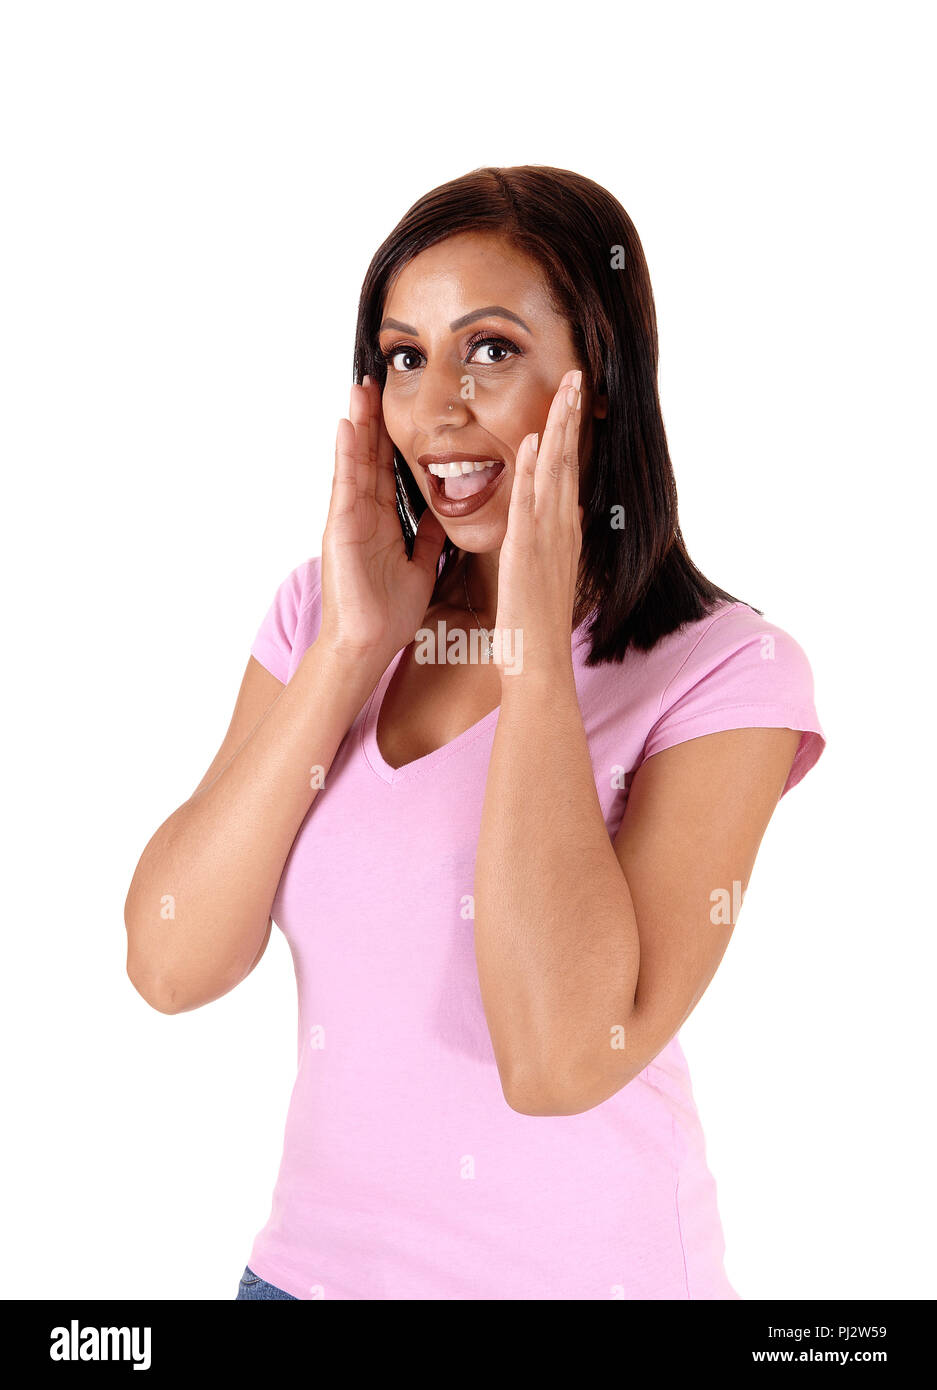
{"x": 467, "y": 484}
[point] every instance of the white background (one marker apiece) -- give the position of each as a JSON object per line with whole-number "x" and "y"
{"x": 192, "y": 193}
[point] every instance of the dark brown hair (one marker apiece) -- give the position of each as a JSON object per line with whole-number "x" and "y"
{"x": 636, "y": 583}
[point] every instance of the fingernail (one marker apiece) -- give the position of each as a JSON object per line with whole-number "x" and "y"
{"x": 577, "y": 379}
{"x": 572, "y": 396}
{"x": 535, "y": 441}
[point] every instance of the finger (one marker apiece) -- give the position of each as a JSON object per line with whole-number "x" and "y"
{"x": 386, "y": 491}
{"x": 373, "y": 397}
{"x": 550, "y": 460}
{"x": 360, "y": 415}
{"x": 568, "y": 492}
{"x": 345, "y": 477}
{"x": 523, "y": 496}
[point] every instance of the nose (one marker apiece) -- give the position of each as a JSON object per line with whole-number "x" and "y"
{"x": 439, "y": 401}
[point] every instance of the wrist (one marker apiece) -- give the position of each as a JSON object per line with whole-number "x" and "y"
{"x": 358, "y": 669}
{"x": 540, "y": 680}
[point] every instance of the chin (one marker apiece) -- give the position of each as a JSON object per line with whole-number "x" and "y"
{"x": 485, "y": 538}
{"x": 492, "y": 549}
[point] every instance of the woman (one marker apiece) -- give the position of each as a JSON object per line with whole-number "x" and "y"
{"x": 500, "y": 765}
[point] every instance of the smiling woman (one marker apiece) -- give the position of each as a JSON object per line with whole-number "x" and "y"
{"x": 491, "y": 1100}
{"x": 569, "y": 272}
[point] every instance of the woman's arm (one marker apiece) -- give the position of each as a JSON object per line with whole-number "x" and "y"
{"x": 592, "y": 954}
{"x": 198, "y": 910}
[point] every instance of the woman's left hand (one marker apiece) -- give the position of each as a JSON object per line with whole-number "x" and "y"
{"x": 539, "y": 561}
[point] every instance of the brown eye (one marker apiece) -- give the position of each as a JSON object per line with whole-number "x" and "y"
{"x": 402, "y": 359}
{"x": 494, "y": 350}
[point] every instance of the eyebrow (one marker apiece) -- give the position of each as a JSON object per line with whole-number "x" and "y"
{"x": 496, "y": 309}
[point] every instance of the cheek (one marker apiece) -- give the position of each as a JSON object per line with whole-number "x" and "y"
{"x": 393, "y": 415}
{"x": 397, "y": 421}
{"x": 515, "y": 408}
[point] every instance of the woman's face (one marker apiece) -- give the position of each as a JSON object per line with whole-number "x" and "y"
{"x": 475, "y": 352}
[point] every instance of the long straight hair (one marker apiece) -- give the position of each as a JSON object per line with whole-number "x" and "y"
{"x": 636, "y": 581}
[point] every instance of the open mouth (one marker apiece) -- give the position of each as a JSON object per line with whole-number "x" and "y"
{"x": 456, "y": 481}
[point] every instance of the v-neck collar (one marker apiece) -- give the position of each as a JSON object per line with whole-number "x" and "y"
{"x": 418, "y": 766}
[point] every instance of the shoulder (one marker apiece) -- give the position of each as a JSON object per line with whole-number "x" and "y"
{"x": 303, "y": 584}
{"x": 300, "y": 590}
{"x": 735, "y": 669}
{"x": 739, "y": 652}
{"x": 292, "y": 620}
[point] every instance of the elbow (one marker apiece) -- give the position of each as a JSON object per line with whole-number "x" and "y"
{"x": 154, "y": 987}
{"x": 139, "y": 973}
{"x": 528, "y": 1103}
{"x": 142, "y": 975}
{"x": 176, "y": 991}
{"x": 561, "y": 1093}
{"x": 160, "y": 996}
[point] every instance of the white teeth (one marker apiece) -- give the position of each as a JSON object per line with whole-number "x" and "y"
{"x": 455, "y": 470}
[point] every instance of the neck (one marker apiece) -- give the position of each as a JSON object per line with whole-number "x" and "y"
{"x": 479, "y": 575}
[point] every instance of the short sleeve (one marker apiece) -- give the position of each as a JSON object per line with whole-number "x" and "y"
{"x": 275, "y": 643}
{"x": 742, "y": 673}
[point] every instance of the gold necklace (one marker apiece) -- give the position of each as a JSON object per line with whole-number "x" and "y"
{"x": 483, "y": 630}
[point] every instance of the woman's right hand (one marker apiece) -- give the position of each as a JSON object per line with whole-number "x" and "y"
{"x": 373, "y": 598}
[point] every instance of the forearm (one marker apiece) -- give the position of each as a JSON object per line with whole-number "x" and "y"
{"x": 200, "y": 900}
{"x": 556, "y": 939}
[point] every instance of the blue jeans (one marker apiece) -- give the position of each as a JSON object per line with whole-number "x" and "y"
{"x": 252, "y": 1286}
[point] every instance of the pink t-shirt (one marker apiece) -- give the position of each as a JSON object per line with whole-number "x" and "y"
{"x": 405, "y": 1174}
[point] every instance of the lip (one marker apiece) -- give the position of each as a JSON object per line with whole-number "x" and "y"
{"x": 461, "y": 506}
{"x": 426, "y": 459}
